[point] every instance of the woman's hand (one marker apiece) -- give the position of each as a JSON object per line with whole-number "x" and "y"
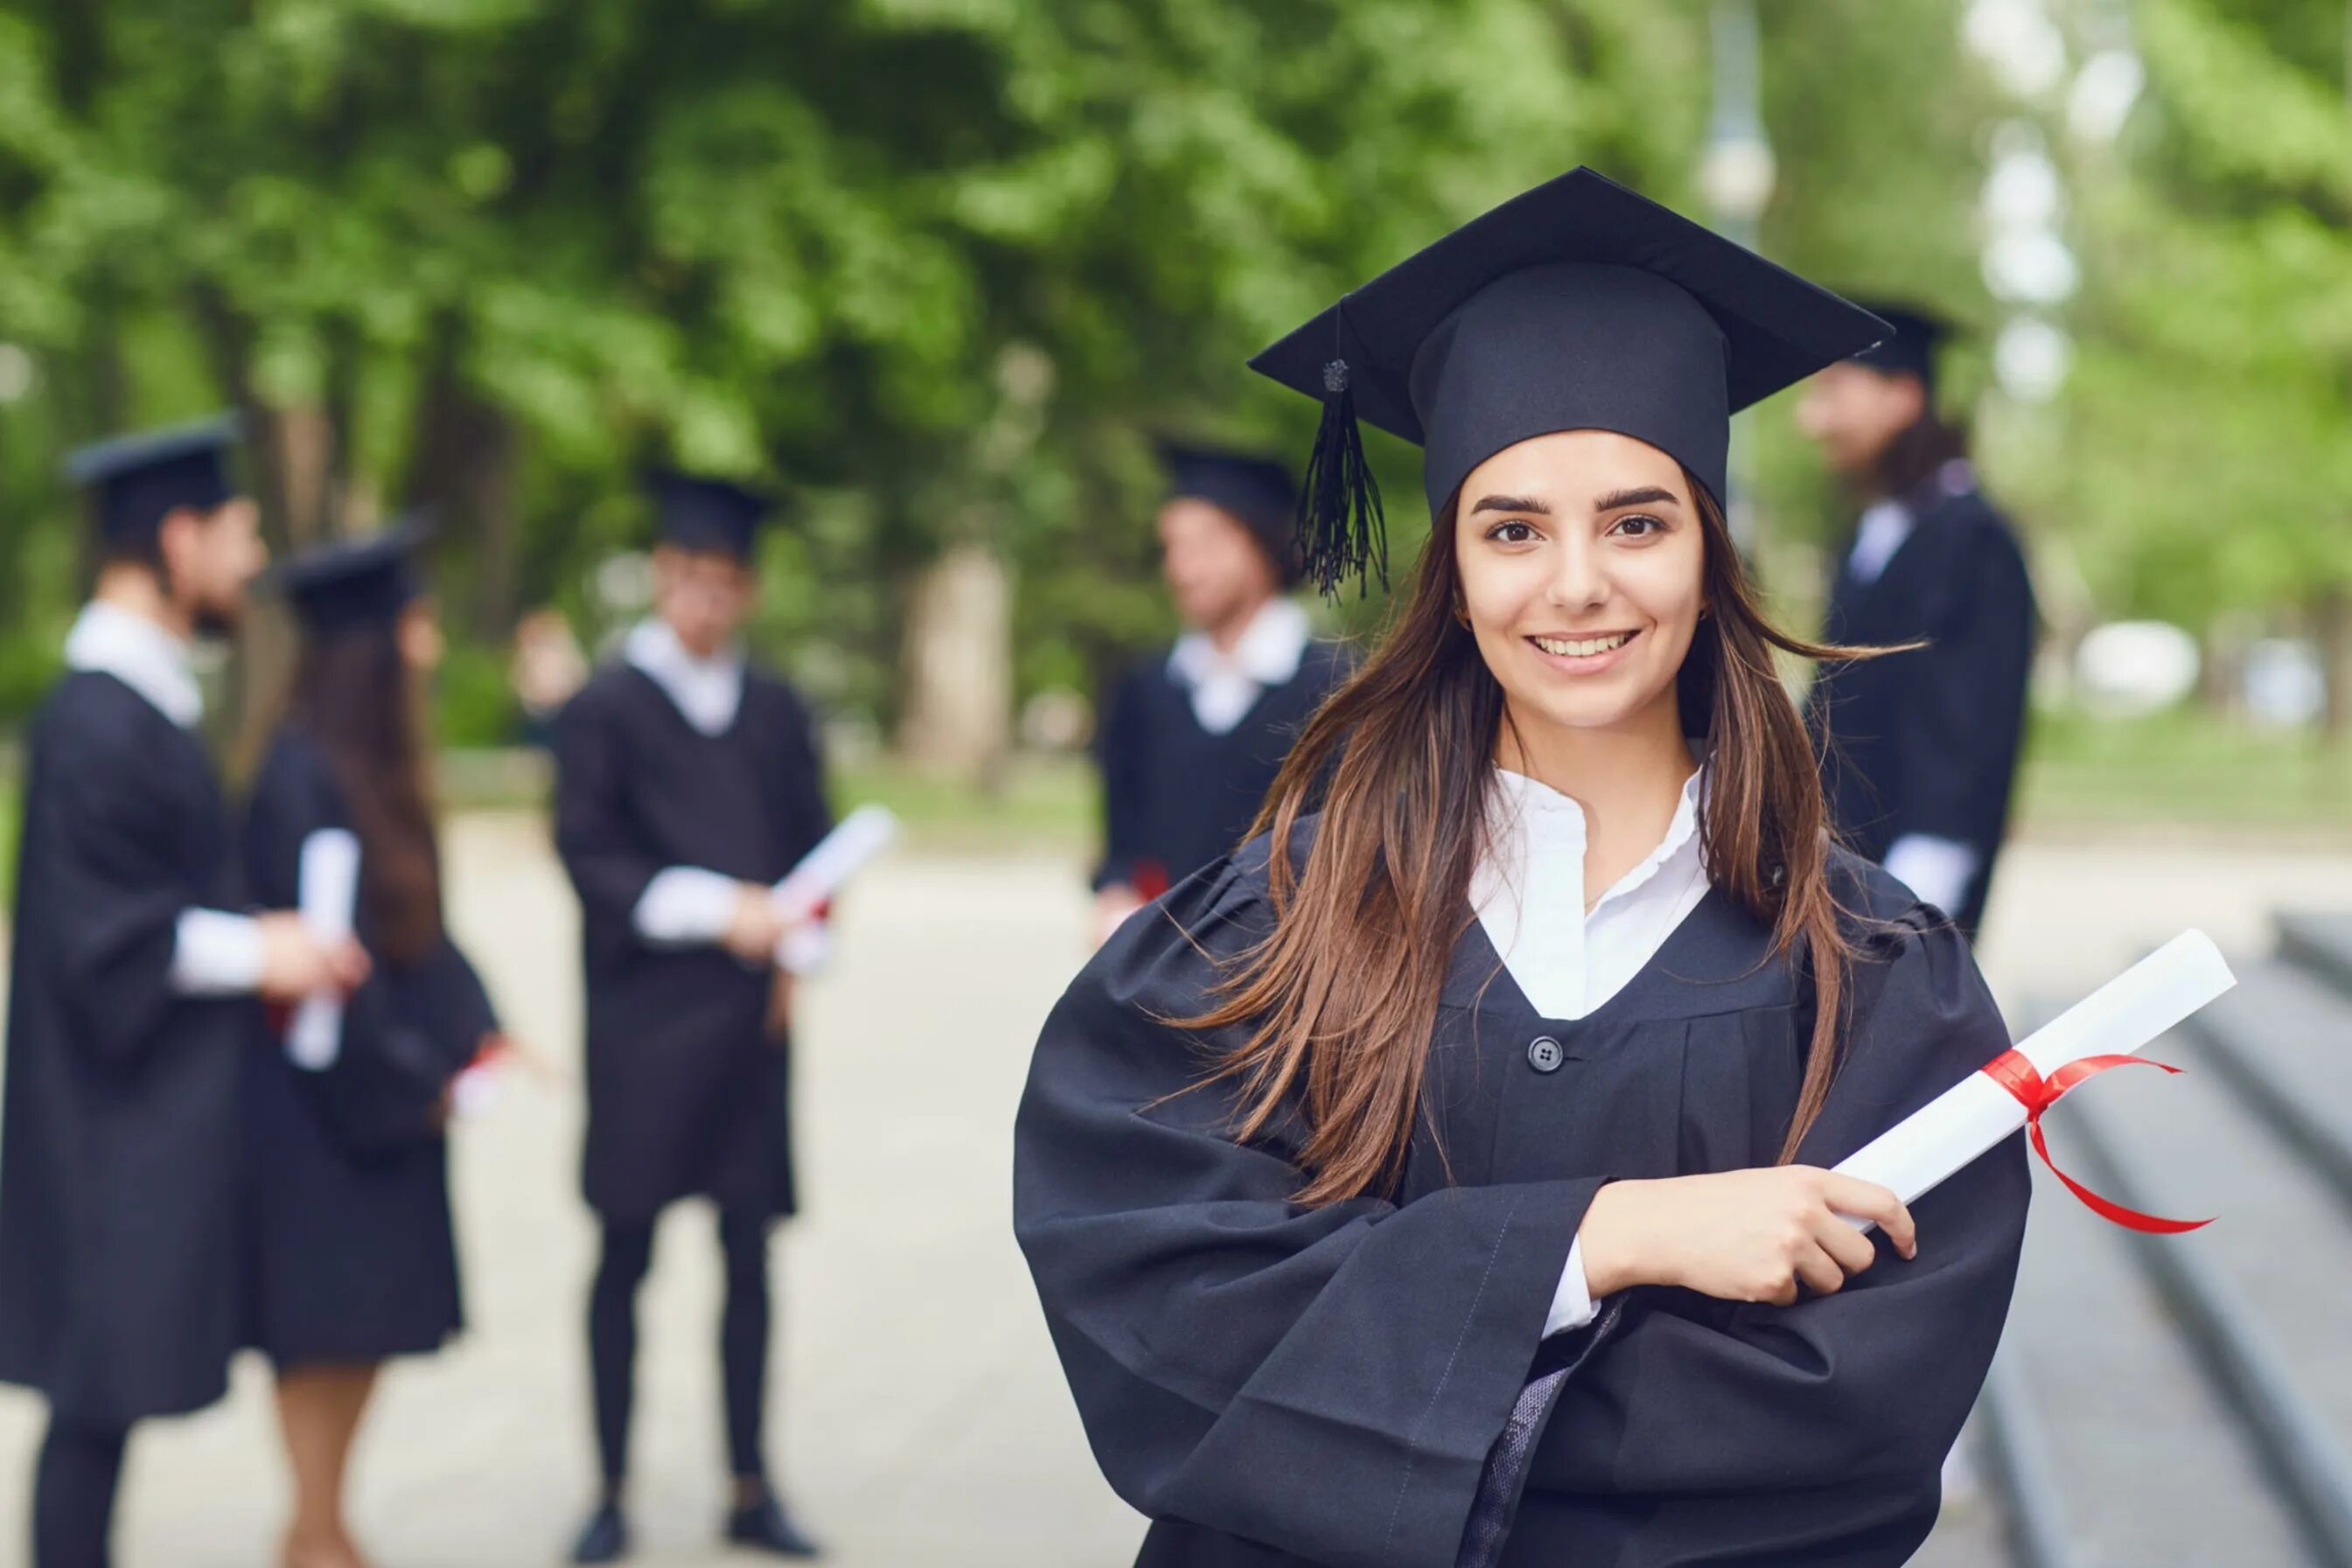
{"x": 296, "y": 964}
{"x": 1741, "y": 1236}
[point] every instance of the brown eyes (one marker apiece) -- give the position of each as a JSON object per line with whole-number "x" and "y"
{"x": 1641, "y": 524}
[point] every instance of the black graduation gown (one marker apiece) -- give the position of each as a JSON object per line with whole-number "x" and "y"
{"x": 1927, "y": 742}
{"x": 1176, "y": 797}
{"x": 349, "y": 1251}
{"x": 118, "y": 1145}
{"x": 1280, "y": 1387}
{"x": 688, "y": 1095}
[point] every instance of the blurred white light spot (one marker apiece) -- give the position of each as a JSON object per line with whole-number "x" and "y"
{"x": 2023, "y": 191}
{"x": 626, "y": 582}
{"x": 16, "y": 373}
{"x": 2136, "y": 667}
{"x": 2018, "y": 41}
{"x": 2104, "y": 91}
{"x": 2032, "y": 266}
{"x": 2029, "y": 359}
{"x": 1736, "y": 176}
{"x": 2285, "y": 685}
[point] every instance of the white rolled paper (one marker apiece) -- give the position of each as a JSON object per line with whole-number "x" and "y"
{"x": 328, "y": 890}
{"x": 1941, "y": 1137}
{"x": 823, "y": 871}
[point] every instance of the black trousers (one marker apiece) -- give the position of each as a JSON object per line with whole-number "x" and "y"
{"x": 743, "y": 1330}
{"x": 74, "y": 1484}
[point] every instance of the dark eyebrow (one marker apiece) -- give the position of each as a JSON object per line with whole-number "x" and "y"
{"x": 1511, "y": 504}
{"x": 1648, "y": 496}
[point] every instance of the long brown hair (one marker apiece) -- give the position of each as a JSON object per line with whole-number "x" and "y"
{"x": 355, "y": 695}
{"x": 1340, "y": 998}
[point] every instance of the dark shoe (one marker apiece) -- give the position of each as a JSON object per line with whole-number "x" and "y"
{"x": 606, "y": 1537}
{"x": 766, "y": 1527}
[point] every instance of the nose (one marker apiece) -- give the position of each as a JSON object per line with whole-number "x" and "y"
{"x": 1581, "y": 580}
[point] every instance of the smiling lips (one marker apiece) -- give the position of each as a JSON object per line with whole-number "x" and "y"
{"x": 1583, "y": 647}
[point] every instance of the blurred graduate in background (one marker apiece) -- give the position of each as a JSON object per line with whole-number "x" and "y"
{"x": 350, "y": 1247}
{"x": 1919, "y": 750}
{"x": 1191, "y": 738}
{"x": 131, "y": 1010}
{"x": 688, "y": 783}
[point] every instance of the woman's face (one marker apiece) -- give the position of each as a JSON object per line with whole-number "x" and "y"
{"x": 419, "y": 634}
{"x": 1582, "y": 566}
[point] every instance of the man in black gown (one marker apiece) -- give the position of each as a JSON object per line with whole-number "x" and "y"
{"x": 134, "y": 975}
{"x": 1918, "y": 750}
{"x": 1191, "y": 737}
{"x": 688, "y": 783}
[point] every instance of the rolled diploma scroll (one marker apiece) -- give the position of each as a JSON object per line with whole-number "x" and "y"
{"x": 823, "y": 871}
{"x": 1941, "y": 1137}
{"x": 328, "y": 889}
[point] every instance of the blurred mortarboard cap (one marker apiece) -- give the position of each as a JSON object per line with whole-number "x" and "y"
{"x": 1578, "y": 305}
{"x": 356, "y": 582}
{"x": 698, "y": 513}
{"x": 1918, "y": 333}
{"x": 1256, "y": 490}
{"x": 136, "y": 481}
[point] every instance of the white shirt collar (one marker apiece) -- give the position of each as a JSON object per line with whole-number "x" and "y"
{"x": 1528, "y": 891}
{"x": 1226, "y": 685}
{"x": 707, "y": 691}
{"x": 144, "y": 656}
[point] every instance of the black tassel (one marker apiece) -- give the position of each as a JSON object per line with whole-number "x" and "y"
{"x": 1341, "y": 528}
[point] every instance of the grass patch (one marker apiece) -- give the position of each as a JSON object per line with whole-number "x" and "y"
{"x": 2182, "y": 768}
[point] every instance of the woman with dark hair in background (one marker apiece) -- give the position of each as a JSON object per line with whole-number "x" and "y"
{"x": 351, "y": 1248}
{"x": 1438, "y": 1178}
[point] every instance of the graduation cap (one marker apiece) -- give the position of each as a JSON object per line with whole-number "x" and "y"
{"x": 1578, "y": 305}
{"x": 1255, "y": 490}
{"x": 702, "y": 514}
{"x": 336, "y": 586}
{"x": 136, "y": 481}
{"x": 1918, "y": 333}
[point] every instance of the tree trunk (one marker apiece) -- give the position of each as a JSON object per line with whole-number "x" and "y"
{"x": 463, "y": 467}
{"x": 956, "y": 719}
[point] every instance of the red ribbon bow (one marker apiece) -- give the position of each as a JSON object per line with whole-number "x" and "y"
{"x": 2037, "y": 1094}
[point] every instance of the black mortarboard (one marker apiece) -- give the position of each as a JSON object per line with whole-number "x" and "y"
{"x": 137, "y": 481}
{"x": 336, "y": 586}
{"x": 1911, "y": 351}
{"x": 701, "y": 514}
{"x": 1578, "y": 305}
{"x": 1256, "y": 490}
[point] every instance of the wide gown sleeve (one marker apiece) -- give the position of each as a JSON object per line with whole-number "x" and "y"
{"x": 1966, "y": 707}
{"x": 1864, "y": 1390}
{"x": 1327, "y": 1380}
{"x": 1119, "y": 759}
{"x": 592, "y": 834}
{"x": 110, "y": 885}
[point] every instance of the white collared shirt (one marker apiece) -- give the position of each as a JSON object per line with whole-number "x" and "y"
{"x": 1884, "y": 526}
{"x": 707, "y": 692}
{"x": 1528, "y": 893}
{"x": 214, "y": 953}
{"x": 147, "y": 658}
{"x": 1226, "y": 685}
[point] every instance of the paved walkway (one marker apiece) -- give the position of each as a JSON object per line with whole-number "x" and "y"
{"x": 923, "y": 1423}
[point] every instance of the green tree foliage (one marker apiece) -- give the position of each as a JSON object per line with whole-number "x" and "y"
{"x": 937, "y": 267}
